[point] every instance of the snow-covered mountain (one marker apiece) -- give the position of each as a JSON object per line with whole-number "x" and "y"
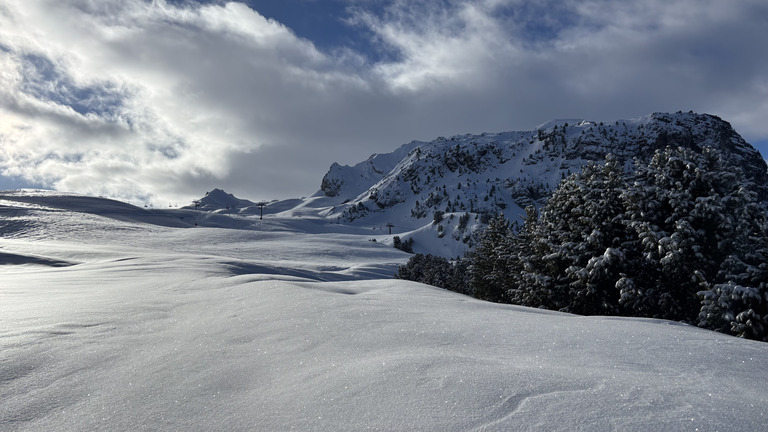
{"x": 447, "y": 187}
{"x": 217, "y": 199}
{"x": 119, "y": 318}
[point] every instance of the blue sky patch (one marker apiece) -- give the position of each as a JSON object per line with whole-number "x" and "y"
{"x": 46, "y": 81}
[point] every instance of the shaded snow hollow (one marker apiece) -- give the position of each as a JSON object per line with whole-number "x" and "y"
{"x": 119, "y": 318}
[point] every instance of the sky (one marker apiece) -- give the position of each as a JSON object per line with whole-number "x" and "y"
{"x": 159, "y": 101}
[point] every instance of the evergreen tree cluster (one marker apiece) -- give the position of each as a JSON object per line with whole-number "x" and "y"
{"x": 436, "y": 271}
{"x": 404, "y": 245}
{"x": 682, "y": 237}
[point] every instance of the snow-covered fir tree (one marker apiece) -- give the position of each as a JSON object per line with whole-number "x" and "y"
{"x": 578, "y": 240}
{"x": 523, "y": 259}
{"x": 740, "y": 304}
{"x": 684, "y": 208}
{"x": 490, "y": 261}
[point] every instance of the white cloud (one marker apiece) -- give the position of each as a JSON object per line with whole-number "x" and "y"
{"x": 437, "y": 46}
{"x": 194, "y": 88}
{"x": 151, "y": 99}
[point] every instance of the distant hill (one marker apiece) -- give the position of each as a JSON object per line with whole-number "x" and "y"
{"x": 217, "y": 199}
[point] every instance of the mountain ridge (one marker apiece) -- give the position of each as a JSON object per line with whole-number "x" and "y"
{"x": 481, "y": 175}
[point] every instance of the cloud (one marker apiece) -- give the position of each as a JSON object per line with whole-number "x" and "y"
{"x": 155, "y": 100}
{"x": 121, "y": 98}
{"x": 601, "y": 58}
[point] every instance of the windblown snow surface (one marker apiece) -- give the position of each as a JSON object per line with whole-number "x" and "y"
{"x": 114, "y": 317}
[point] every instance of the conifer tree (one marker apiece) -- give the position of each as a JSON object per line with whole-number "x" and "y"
{"x": 683, "y": 207}
{"x": 523, "y": 262}
{"x": 489, "y": 262}
{"x": 576, "y": 242}
{"x": 738, "y": 304}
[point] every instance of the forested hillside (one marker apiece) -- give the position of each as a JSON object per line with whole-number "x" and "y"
{"x": 683, "y": 237}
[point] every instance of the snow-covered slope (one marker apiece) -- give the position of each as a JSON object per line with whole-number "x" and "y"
{"x": 505, "y": 172}
{"x": 118, "y": 318}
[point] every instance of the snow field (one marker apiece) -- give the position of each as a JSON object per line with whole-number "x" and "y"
{"x": 282, "y": 326}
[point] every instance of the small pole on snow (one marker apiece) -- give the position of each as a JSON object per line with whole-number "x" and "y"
{"x": 261, "y": 205}
{"x": 389, "y": 225}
